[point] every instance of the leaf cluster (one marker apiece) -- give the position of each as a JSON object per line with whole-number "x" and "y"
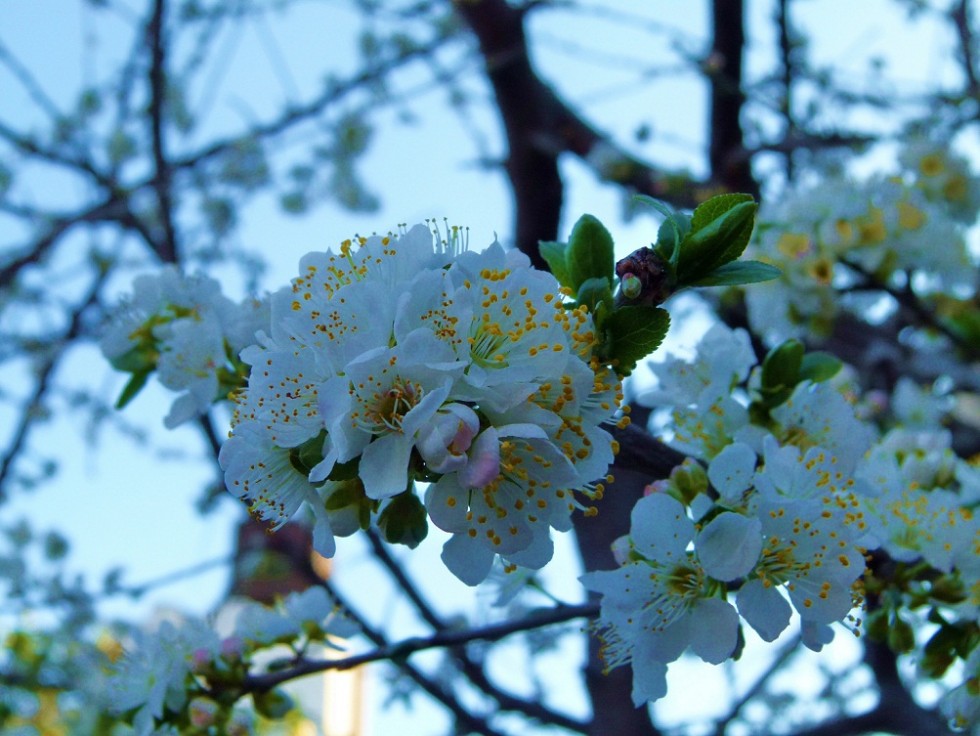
{"x": 697, "y": 250}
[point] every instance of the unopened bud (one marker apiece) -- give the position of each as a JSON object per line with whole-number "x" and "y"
{"x": 203, "y": 712}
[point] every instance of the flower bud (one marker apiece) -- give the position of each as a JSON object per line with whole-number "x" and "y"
{"x": 203, "y": 712}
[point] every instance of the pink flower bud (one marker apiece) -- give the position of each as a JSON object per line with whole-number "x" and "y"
{"x": 444, "y": 441}
{"x": 658, "y": 486}
{"x": 484, "y": 460}
{"x": 203, "y": 712}
{"x": 232, "y": 648}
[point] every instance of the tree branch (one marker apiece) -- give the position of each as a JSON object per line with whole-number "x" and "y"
{"x": 910, "y": 302}
{"x": 166, "y": 248}
{"x": 959, "y": 14}
{"x": 44, "y": 372}
{"x": 729, "y": 167}
{"x": 472, "y": 669}
{"x": 400, "y": 651}
{"x": 539, "y": 127}
{"x": 787, "y": 58}
{"x": 446, "y": 638}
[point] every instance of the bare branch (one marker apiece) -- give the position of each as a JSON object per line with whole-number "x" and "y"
{"x": 724, "y": 65}
{"x": 469, "y": 667}
{"x": 400, "y": 651}
{"x": 441, "y": 639}
{"x": 540, "y": 127}
{"x": 166, "y": 249}
{"x": 29, "y": 414}
{"x": 959, "y": 14}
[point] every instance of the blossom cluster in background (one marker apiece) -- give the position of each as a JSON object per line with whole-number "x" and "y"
{"x": 841, "y": 243}
{"x": 792, "y": 495}
{"x": 187, "y": 331}
{"x": 184, "y": 677}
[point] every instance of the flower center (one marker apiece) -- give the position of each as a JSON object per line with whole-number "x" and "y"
{"x": 387, "y": 408}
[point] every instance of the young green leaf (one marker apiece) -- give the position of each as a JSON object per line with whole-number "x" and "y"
{"x": 819, "y": 366}
{"x": 139, "y": 358}
{"x": 673, "y": 229}
{"x": 273, "y": 704}
{"x": 596, "y": 294}
{"x": 554, "y": 255}
{"x": 635, "y": 332}
{"x": 713, "y": 208}
{"x": 308, "y": 455}
{"x": 403, "y": 520}
{"x": 781, "y": 368}
{"x": 738, "y": 272}
{"x": 590, "y": 252}
{"x": 720, "y": 241}
{"x": 132, "y": 387}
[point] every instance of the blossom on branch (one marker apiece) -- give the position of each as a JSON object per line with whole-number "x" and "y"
{"x": 398, "y": 360}
{"x": 186, "y": 330}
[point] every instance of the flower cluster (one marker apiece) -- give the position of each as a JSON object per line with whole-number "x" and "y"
{"x": 923, "y": 507}
{"x": 924, "y": 517}
{"x": 165, "y": 681}
{"x": 835, "y": 242}
{"x": 782, "y": 522}
{"x": 402, "y": 358}
{"x": 793, "y": 492}
{"x": 189, "y": 333}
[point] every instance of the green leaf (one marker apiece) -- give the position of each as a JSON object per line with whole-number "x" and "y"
{"x": 273, "y": 704}
{"x": 738, "y": 272}
{"x": 345, "y": 471}
{"x": 132, "y": 387}
{"x": 590, "y": 252}
{"x": 876, "y": 624}
{"x": 901, "y": 637}
{"x": 715, "y": 207}
{"x": 673, "y": 229}
{"x": 781, "y": 371}
{"x": 403, "y": 520}
{"x": 308, "y": 455}
{"x": 594, "y": 293}
{"x": 554, "y": 255}
{"x": 662, "y": 207}
{"x": 344, "y": 494}
{"x": 819, "y": 366}
{"x": 635, "y": 332}
{"x": 713, "y": 243}
{"x": 138, "y": 359}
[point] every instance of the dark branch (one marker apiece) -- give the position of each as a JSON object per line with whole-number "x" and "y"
{"x": 729, "y": 167}
{"x": 442, "y": 639}
{"x": 539, "y": 127}
{"x": 399, "y": 652}
{"x": 787, "y": 58}
{"x": 166, "y": 248}
{"x": 959, "y": 14}
{"x": 916, "y": 309}
{"x": 469, "y": 667}
{"x": 30, "y": 413}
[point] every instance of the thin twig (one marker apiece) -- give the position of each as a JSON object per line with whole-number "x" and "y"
{"x": 910, "y": 301}
{"x": 959, "y": 14}
{"x": 781, "y": 658}
{"x": 44, "y": 372}
{"x": 442, "y": 639}
{"x": 469, "y": 667}
{"x": 464, "y": 717}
